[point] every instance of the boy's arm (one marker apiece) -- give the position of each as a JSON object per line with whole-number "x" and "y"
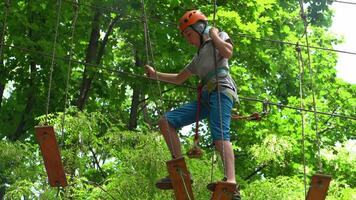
{"x": 168, "y": 77}
{"x": 225, "y": 48}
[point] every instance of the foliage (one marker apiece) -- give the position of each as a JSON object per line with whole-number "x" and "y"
{"x": 110, "y": 149}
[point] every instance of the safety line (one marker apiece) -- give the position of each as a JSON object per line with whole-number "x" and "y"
{"x": 97, "y": 66}
{"x": 74, "y": 22}
{"x": 301, "y": 76}
{"x": 219, "y": 97}
{"x": 52, "y": 63}
{"x": 345, "y": 2}
{"x": 149, "y": 52}
{"x": 173, "y": 24}
{"x": 311, "y": 77}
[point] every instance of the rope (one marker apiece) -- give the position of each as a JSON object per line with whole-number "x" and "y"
{"x": 212, "y": 167}
{"x": 301, "y": 73}
{"x": 75, "y": 17}
{"x": 125, "y": 73}
{"x": 173, "y": 24}
{"x": 52, "y": 64}
{"x": 345, "y": 2}
{"x": 219, "y": 97}
{"x": 311, "y": 76}
{"x": 180, "y": 172}
{"x": 148, "y": 47}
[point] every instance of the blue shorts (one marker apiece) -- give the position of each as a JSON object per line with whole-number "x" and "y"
{"x": 209, "y": 108}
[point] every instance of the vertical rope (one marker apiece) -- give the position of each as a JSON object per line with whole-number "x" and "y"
{"x": 149, "y": 51}
{"x": 301, "y": 75}
{"x": 52, "y": 64}
{"x": 180, "y": 172}
{"x": 311, "y": 75}
{"x": 74, "y": 22}
{"x": 212, "y": 167}
{"x": 219, "y": 97}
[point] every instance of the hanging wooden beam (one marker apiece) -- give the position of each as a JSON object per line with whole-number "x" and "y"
{"x": 51, "y": 156}
{"x": 223, "y": 190}
{"x": 180, "y": 177}
{"x": 318, "y": 187}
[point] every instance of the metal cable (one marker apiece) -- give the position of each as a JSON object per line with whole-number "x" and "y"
{"x": 345, "y": 2}
{"x": 190, "y": 87}
{"x": 219, "y": 97}
{"x": 173, "y": 24}
{"x": 311, "y": 76}
{"x": 53, "y": 56}
{"x": 301, "y": 76}
{"x": 149, "y": 51}
{"x": 74, "y": 22}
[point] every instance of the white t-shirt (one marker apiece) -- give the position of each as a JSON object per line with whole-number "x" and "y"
{"x": 203, "y": 63}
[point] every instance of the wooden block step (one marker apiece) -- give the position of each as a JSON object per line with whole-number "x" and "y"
{"x": 51, "y": 156}
{"x": 180, "y": 177}
{"x": 318, "y": 187}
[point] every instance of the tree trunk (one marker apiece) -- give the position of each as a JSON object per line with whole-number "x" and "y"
{"x": 134, "y": 108}
{"x": 90, "y": 58}
{"x": 88, "y": 75}
{"x": 135, "y": 101}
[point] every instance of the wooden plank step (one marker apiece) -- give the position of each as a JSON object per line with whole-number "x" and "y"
{"x": 318, "y": 187}
{"x": 51, "y": 156}
{"x": 180, "y": 177}
{"x": 223, "y": 190}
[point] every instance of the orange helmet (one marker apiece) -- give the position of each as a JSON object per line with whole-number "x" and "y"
{"x": 190, "y": 18}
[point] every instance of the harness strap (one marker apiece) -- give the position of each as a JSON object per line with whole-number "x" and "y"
{"x": 221, "y": 72}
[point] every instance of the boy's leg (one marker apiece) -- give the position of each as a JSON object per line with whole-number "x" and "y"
{"x": 180, "y": 117}
{"x": 221, "y": 138}
{"x": 229, "y": 162}
{"x": 171, "y": 137}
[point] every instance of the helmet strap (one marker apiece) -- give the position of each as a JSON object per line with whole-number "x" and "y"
{"x": 200, "y": 33}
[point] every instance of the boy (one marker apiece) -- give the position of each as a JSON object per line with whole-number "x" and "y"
{"x": 194, "y": 27}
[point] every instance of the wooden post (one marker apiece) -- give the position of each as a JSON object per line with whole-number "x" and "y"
{"x": 180, "y": 177}
{"x": 318, "y": 187}
{"x": 223, "y": 191}
{"x": 51, "y": 156}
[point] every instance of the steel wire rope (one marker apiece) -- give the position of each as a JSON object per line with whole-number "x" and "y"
{"x": 148, "y": 47}
{"x": 219, "y": 97}
{"x": 74, "y": 22}
{"x": 301, "y": 76}
{"x": 311, "y": 76}
{"x": 97, "y": 66}
{"x": 264, "y": 39}
{"x": 149, "y": 52}
{"x": 344, "y": 2}
{"x": 52, "y": 60}
{"x": 150, "y": 61}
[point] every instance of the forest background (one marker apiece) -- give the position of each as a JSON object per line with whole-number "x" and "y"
{"x": 109, "y": 142}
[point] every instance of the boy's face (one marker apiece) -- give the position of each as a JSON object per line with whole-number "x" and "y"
{"x": 192, "y": 37}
